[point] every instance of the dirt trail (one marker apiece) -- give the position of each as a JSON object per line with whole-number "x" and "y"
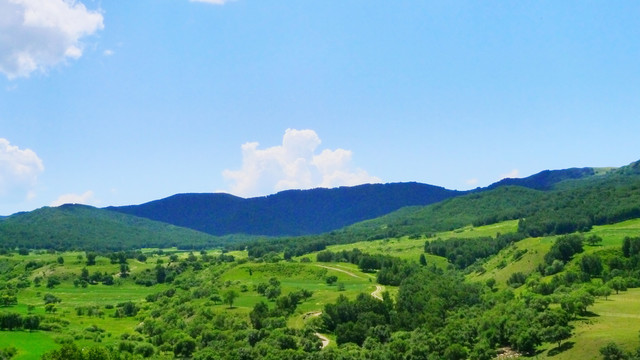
{"x": 325, "y": 340}
{"x": 341, "y": 270}
{"x": 377, "y": 293}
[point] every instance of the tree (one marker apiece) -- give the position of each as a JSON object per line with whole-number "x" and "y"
{"x": 8, "y": 300}
{"x": 229, "y": 297}
{"x": 556, "y": 333}
{"x": 91, "y": 258}
{"x": 184, "y": 347}
{"x": 330, "y": 280}
{"x": 618, "y": 284}
{"x": 591, "y": 264}
{"x": 611, "y": 351}
{"x": 124, "y": 270}
{"x": 60, "y": 260}
{"x": 161, "y": 274}
{"x": 594, "y": 240}
{"x": 31, "y": 322}
{"x": 491, "y": 282}
{"x": 423, "y": 260}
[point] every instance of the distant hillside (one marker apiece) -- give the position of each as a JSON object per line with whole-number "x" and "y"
{"x": 292, "y": 212}
{"x": 85, "y": 227}
{"x": 546, "y": 180}
{"x": 575, "y": 203}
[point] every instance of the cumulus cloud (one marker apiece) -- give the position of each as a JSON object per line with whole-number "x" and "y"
{"x": 19, "y": 170}
{"x": 216, "y": 2}
{"x": 87, "y": 199}
{"x": 295, "y": 164}
{"x": 38, "y": 34}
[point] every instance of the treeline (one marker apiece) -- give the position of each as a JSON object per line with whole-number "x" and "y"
{"x": 463, "y": 252}
{"x": 390, "y": 270}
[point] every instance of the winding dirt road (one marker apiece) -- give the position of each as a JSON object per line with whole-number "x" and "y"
{"x": 377, "y": 293}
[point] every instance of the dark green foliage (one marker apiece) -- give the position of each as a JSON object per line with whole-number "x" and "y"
{"x": 564, "y": 248}
{"x": 591, "y": 264}
{"x": 631, "y": 246}
{"x": 611, "y": 351}
{"x": 516, "y": 279}
{"x": 463, "y": 252}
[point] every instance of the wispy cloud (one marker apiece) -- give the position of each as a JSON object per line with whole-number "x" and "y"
{"x": 294, "y": 165}
{"x": 87, "y": 198}
{"x": 19, "y": 171}
{"x": 39, "y": 34}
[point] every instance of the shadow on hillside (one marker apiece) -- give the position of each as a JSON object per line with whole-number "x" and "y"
{"x": 560, "y": 349}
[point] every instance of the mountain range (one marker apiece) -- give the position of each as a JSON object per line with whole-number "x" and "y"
{"x": 586, "y": 196}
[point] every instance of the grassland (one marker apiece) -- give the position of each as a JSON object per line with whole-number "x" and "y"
{"x": 614, "y": 319}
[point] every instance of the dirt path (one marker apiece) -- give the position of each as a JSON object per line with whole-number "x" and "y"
{"x": 341, "y": 270}
{"x": 325, "y": 340}
{"x": 377, "y": 293}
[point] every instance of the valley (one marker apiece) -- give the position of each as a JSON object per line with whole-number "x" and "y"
{"x": 540, "y": 272}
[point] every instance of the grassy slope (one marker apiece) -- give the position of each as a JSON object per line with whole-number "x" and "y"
{"x": 295, "y": 276}
{"x": 410, "y": 248}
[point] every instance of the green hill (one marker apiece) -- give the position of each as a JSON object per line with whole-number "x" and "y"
{"x": 85, "y": 227}
{"x": 570, "y": 205}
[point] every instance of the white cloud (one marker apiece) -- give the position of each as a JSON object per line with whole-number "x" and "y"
{"x": 515, "y": 173}
{"x": 87, "y": 199}
{"x": 19, "y": 170}
{"x": 216, "y": 2}
{"x": 293, "y": 165}
{"x": 108, "y": 52}
{"x": 38, "y": 34}
{"x": 472, "y": 182}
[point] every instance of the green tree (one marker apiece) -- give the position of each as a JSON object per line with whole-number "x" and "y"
{"x": 331, "y": 279}
{"x": 229, "y": 297}
{"x": 594, "y": 240}
{"x": 423, "y": 260}
{"x": 184, "y": 347}
{"x": 91, "y": 258}
{"x": 31, "y": 322}
{"x": 556, "y": 333}
{"x": 611, "y": 351}
{"x": 618, "y": 284}
{"x": 591, "y": 264}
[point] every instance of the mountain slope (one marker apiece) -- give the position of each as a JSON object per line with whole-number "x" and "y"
{"x": 572, "y": 204}
{"x": 85, "y": 227}
{"x": 292, "y": 212}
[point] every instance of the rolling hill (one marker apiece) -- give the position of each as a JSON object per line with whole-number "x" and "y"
{"x": 86, "y": 227}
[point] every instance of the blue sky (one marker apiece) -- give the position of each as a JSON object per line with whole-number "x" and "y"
{"x": 124, "y": 102}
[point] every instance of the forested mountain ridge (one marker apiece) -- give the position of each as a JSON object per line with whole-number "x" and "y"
{"x": 315, "y": 211}
{"x": 291, "y": 212}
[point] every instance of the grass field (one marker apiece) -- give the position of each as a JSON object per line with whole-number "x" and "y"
{"x": 296, "y": 276}
{"x": 616, "y": 319}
